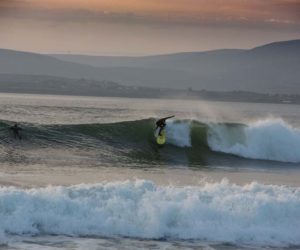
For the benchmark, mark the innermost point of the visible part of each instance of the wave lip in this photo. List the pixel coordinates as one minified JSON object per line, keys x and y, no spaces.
{"x":264,"y":140}
{"x":252,"y":214}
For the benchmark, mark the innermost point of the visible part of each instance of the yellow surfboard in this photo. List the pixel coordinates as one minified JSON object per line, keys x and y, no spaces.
{"x":161,"y":139}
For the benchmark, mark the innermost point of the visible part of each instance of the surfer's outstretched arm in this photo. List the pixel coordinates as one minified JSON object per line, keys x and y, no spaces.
{"x":169,"y":117}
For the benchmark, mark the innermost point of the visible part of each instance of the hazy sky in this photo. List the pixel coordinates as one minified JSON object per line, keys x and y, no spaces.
{"x":142,"y":27}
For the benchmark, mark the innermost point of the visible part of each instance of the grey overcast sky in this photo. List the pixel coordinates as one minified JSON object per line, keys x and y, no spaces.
{"x":143,"y":27}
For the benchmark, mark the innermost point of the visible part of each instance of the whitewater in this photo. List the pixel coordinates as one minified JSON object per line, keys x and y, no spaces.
{"x":253,"y":213}
{"x":88,"y":174}
{"x":267,"y":139}
{"x":270,"y":139}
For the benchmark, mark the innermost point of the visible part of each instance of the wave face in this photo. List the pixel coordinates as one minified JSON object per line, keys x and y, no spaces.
{"x":193,"y":141}
{"x":251,"y":214}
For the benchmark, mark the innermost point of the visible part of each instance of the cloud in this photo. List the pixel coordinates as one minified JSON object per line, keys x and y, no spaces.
{"x":13,"y":3}
{"x":144,"y":26}
{"x":280,"y":21}
{"x":241,"y":13}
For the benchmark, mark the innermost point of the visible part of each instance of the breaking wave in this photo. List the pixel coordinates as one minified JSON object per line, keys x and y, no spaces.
{"x":267,"y":140}
{"x":223,"y":212}
{"x":264,"y":140}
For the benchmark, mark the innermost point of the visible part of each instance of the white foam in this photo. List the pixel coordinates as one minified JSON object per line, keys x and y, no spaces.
{"x":271,"y":139}
{"x":178,"y":133}
{"x":252,"y":214}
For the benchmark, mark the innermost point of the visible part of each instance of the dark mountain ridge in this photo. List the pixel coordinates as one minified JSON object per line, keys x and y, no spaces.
{"x":271,"y":68}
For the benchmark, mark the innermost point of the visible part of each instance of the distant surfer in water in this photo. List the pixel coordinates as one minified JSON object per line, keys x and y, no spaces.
{"x":161,"y":123}
{"x":16,"y":130}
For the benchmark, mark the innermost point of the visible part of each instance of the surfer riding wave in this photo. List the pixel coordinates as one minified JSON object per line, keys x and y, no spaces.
{"x":161,"y":124}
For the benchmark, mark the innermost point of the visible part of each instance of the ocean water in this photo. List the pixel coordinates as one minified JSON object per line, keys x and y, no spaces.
{"x":88,"y":174}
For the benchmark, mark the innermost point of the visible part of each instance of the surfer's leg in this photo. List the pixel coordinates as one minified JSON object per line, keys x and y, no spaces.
{"x":160,"y":130}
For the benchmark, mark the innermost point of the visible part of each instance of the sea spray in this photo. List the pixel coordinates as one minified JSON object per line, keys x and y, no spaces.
{"x":254,"y":214}
{"x":178,"y":133}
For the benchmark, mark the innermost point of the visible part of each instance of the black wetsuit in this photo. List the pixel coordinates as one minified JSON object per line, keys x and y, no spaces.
{"x":161,"y":123}
{"x":16,"y":130}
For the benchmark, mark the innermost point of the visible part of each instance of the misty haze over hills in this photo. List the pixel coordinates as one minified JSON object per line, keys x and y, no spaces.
{"x":272,"y":68}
